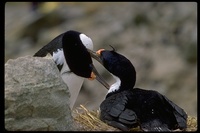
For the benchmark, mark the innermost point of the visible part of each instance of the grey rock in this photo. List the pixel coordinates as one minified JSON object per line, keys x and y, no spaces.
{"x":36,"y":98}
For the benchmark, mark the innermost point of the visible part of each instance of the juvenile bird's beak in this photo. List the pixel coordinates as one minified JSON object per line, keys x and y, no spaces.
{"x":98,"y":76}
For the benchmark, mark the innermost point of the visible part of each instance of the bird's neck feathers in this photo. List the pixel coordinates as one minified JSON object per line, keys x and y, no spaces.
{"x":116,"y":86}
{"x":120,"y":85}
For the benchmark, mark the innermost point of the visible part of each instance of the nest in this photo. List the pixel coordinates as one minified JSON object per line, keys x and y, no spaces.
{"x":89,"y":121}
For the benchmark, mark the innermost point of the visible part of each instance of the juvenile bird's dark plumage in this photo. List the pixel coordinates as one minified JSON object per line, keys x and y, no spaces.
{"x":125,"y":107}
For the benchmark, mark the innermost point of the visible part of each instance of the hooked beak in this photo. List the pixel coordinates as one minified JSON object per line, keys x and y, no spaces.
{"x":98,"y":76}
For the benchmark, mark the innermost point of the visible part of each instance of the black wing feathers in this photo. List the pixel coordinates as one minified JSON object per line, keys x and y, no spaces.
{"x":179,"y":113}
{"x":51,"y":47}
{"x":113,"y":108}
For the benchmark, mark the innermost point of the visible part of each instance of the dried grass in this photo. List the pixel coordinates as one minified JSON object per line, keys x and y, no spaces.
{"x":191,"y":123}
{"x":89,"y":121}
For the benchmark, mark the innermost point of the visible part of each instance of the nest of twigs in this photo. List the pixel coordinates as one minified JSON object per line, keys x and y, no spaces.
{"x":89,"y":121}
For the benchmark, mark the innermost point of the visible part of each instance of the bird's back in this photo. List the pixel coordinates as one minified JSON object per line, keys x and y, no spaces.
{"x":152,"y":110}
{"x":156,"y":110}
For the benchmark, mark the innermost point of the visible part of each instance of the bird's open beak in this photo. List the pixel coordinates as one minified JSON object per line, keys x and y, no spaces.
{"x":98,"y":76}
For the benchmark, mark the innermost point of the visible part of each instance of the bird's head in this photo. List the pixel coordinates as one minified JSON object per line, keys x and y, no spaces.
{"x":118,"y":65}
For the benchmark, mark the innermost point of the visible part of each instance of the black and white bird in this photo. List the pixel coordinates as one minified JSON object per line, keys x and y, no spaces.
{"x":69,"y":50}
{"x":126,"y":107}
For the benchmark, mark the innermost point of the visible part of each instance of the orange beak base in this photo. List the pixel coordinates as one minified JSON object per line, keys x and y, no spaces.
{"x":99,"y":51}
{"x":92,"y":76}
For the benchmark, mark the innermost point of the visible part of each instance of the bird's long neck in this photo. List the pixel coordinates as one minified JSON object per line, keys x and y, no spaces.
{"x":122,"y":83}
{"x":128,"y":82}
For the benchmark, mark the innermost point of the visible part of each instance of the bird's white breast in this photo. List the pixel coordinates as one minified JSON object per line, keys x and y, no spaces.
{"x":73,"y":81}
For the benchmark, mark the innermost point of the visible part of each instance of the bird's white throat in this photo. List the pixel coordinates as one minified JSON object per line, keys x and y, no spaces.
{"x":115,"y":86}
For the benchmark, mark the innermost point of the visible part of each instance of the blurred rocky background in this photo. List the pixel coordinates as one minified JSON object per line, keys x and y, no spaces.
{"x":159,"y":38}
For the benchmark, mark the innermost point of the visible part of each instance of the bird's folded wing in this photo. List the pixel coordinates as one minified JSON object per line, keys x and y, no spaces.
{"x":179,"y":113}
{"x":51,"y":47}
{"x":115,"y":106}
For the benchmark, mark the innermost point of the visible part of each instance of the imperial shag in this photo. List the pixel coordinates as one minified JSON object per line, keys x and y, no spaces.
{"x":126,"y":107}
{"x":69,"y":51}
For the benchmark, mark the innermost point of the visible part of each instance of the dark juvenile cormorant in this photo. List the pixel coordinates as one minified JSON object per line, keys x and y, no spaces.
{"x":69,"y":51}
{"x":126,"y":107}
